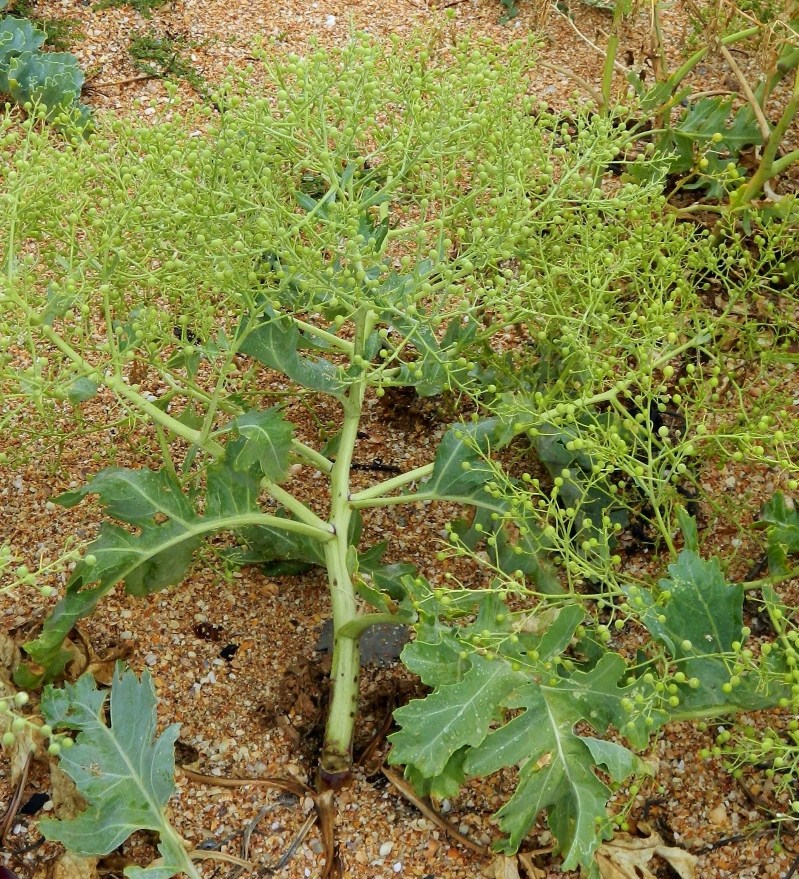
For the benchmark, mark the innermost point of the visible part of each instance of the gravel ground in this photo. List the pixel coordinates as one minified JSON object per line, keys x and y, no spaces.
{"x":249,"y":712}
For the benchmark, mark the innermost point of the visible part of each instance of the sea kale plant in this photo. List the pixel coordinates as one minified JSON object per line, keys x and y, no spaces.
{"x":45,"y":83}
{"x":413,"y":219}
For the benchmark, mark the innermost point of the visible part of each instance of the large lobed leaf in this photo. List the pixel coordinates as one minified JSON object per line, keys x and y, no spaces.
{"x":169,"y":528}
{"x":122,"y":769}
{"x":558,"y":767}
{"x":698,"y":624}
{"x":454,"y":715}
{"x":462,"y":729}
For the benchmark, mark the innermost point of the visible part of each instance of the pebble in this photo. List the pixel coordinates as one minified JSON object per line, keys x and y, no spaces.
{"x":718,"y":815}
{"x":385,"y":849}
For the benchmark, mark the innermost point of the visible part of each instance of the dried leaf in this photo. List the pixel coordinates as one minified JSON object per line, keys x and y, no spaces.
{"x":102,"y":666}
{"x":70,"y":866}
{"x":626,"y":857}
{"x":9,"y":656}
{"x":503,"y":867}
{"x":530,"y":869}
{"x":67,"y":802}
{"x":26,"y":743}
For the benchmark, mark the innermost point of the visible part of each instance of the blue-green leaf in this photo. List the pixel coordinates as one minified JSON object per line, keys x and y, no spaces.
{"x":275,"y":343}
{"x":17,"y":35}
{"x":81,"y":390}
{"x":782,"y":530}
{"x":123,"y":769}
{"x":453,"y":716}
{"x":52,"y":79}
{"x":169,"y":533}
{"x":557,"y":774}
{"x":266,"y":442}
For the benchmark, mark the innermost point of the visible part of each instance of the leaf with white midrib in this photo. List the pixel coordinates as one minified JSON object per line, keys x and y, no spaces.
{"x":124,"y":770}
{"x":156,"y":557}
{"x":452,"y":716}
{"x":265,"y":441}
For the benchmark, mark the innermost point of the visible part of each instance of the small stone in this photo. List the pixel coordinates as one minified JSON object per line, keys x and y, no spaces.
{"x":718,"y":815}
{"x":330,"y":21}
{"x":385,"y":849}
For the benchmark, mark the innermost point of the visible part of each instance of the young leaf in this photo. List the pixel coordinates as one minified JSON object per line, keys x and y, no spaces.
{"x":81,"y":390}
{"x":122,"y":769}
{"x":267,"y":442}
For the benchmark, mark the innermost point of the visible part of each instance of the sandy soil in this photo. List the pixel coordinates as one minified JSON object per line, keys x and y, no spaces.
{"x":233,"y":656}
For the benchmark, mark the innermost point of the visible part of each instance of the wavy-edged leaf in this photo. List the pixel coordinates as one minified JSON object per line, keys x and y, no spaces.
{"x":123,"y":769}
{"x":446,"y":784}
{"x":381,"y":583}
{"x":133,"y":496}
{"x":459,"y":467}
{"x":454,"y":715}
{"x":52,"y":79}
{"x":558,"y":767}
{"x":17,"y":35}
{"x":282,"y":551}
{"x":265,"y":544}
{"x":275,"y":343}
{"x":266,"y":442}
{"x":701,"y":619}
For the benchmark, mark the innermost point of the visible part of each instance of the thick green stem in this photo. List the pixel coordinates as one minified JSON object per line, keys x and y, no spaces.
{"x":765,"y":170}
{"x":362,"y":498}
{"x":293,"y":505}
{"x":772,"y":580}
{"x":784,"y":163}
{"x":336,"y":760}
{"x":311,"y":456}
